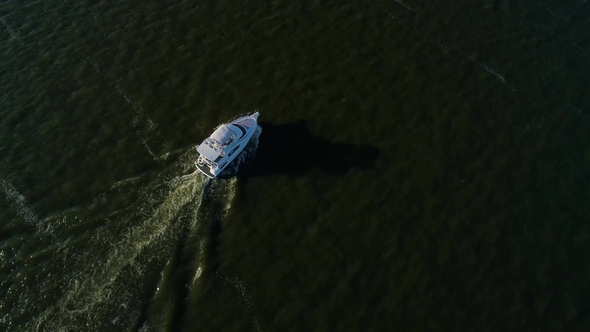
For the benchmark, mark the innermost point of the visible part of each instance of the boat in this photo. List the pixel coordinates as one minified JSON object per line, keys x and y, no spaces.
{"x":225,"y":144}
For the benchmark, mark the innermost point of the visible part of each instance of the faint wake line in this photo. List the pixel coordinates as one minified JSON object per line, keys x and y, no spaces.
{"x":447,"y":48}
{"x":140,"y":121}
{"x":491,"y":71}
{"x":405,"y":6}
{"x":488,"y":69}
{"x":240,"y":286}
{"x":388,"y":14}
{"x":13,"y":33}
{"x":19,"y":202}
{"x":558,"y":16}
{"x":234,"y":281}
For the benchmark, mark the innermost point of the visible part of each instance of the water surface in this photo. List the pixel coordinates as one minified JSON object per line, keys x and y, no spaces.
{"x":422,"y":166}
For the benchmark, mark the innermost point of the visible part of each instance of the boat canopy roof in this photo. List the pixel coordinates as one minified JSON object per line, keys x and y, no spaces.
{"x":224,"y":134}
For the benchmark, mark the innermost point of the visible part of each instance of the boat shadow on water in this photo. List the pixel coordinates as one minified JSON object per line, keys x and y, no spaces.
{"x":287,"y":149}
{"x":290,"y":149}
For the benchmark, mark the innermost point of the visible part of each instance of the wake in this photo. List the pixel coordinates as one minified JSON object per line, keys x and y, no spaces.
{"x":94,"y":285}
{"x":165,"y":237}
{"x":19,"y":203}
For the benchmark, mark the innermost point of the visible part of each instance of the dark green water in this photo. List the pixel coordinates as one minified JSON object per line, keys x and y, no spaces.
{"x":422,"y":166}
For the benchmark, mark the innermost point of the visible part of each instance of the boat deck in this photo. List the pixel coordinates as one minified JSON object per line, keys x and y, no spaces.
{"x":205,"y":169}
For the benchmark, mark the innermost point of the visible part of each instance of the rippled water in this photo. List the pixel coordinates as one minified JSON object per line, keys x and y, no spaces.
{"x":422,"y":166}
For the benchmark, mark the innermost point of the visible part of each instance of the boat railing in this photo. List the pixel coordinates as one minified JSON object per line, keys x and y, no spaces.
{"x":242,"y":115}
{"x":202,"y":160}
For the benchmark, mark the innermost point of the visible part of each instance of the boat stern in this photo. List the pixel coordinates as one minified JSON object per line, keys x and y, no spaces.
{"x":205,"y":169}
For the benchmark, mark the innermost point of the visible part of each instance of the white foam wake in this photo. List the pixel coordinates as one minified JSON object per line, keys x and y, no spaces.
{"x":89,"y":287}
{"x":96,"y":290}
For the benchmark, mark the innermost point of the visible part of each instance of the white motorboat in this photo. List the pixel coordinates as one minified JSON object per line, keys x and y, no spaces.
{"x":225,"y":144}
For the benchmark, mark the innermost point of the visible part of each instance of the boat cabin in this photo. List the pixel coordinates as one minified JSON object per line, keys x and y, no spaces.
{"x":224,"y":135}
